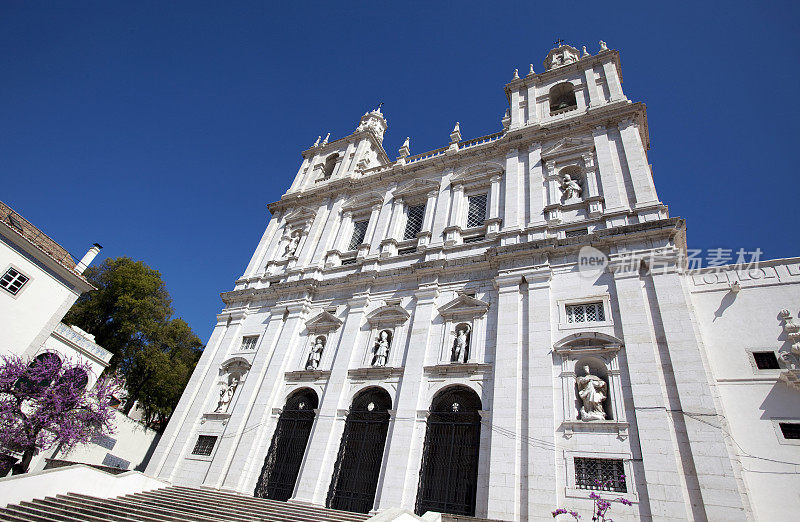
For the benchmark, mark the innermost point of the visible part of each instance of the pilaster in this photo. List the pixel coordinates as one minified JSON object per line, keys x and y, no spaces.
{"x":536,"y":183}
{"x":511,"y":198}
{"x":610,"y":179}
{"x":453,"y":230}
{"x":427,"y":221}
{"x":613,"y":81}
{"x":591,"y":87}
{"x":644,"y":190}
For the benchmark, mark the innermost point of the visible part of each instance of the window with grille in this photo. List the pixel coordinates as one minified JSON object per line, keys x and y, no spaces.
{"x":414,"y":217}
{"x":359,"y":232}
{"x":600,"y":474}
{"x":104,"y":441}
{"x":576,"y":232}
{"x":585,"y":313}
{"x":249,"y":342}
{"x":476,"y":214}
{"x":790,"y":430}
{"x":112,"y":461}
{"x":13,"y":281}
{"x":204,"y":445}
{"x":766,"y":360}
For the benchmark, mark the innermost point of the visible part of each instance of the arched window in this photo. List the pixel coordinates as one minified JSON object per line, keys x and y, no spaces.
{"x":41,"y":372}
{"x":279,"y":474}
{"x":330,"y":164}
{"x":358,"y":464}
{"x":562,"y":98}
{"x":449,"y":473}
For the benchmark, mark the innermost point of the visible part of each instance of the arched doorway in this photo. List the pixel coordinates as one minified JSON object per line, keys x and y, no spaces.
{"x":285,"y":455}
{"x":355,"y":476}
{"x":449,"y":474}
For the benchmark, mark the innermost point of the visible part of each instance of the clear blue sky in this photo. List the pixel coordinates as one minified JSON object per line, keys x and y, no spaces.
{"x":162,"y":129}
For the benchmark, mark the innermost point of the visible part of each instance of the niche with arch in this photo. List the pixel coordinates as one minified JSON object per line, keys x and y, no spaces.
{"x":562,"y":98}
{"x":330,"y":165}
{"x":232,"y":375}
{"x":590,"y":382}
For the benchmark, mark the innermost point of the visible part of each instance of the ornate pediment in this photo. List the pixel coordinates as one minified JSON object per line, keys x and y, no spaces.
{"x":362,"y":201}
{"x":323,"y":323}
{"x":464,"y":307}
{"x":479,"y":171}
{"x":300,"y":215}
{"x":391,"y":314}
{"x":568,"y":146}
{"x":415,"y":187}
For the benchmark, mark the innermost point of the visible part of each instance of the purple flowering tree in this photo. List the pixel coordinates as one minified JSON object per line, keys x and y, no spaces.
{"x":45,"y":401}
{"x":601,"y":505}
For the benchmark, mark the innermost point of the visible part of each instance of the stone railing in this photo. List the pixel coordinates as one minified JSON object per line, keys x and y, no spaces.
{"x":426,"y":155}
{"x":466,"y":144}
{"x":82,"y":342}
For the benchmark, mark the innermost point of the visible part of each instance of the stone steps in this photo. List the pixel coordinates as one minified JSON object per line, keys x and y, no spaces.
{"x":171,"y":504}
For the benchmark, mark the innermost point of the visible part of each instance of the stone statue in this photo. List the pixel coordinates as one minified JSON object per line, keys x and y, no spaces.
{"x":592,"y":390}
{"x":226,"y":395}
{"x":570,"y":187}
{"x":316,"y":353}
{"x":382,"y":345}
{"x":291,"y":247}
{"x":460,"y":344}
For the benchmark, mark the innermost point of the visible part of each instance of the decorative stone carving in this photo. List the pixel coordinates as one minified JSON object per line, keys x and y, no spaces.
{"x":570,"y":188}
{"x":226,"y":394}
{"x":405,"y":150}
{"x":316,"y":353}
{"x":516,"y":74}
{"x":373,"y":122}
{"x":603,"y":46}
{"x":564,"y":55}
{"x":592,"y":391}
{"x":324,"y":322}
{"x":461,"y":344}
{"x":531,"y":73}
{"x":383,"y":344}
{"x":791,"y":376}
{"x":291,"y":246}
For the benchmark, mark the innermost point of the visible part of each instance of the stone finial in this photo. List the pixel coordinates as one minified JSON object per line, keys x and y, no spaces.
{"x":531,"y":73}
{"x":316,"y":143}
{"x":506,"y":121}
{"x":516,"y":74}
{"x":585,"y":52}
{"x":603,"y":46}
{"x":405,"y":150}
{"x":455,"y":136}
{"x":327,"y":137}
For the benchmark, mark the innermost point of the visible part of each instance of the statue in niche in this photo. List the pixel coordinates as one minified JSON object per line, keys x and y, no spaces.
{"x":381,"y":350}
{"x":570,"y":188}
{"x":226,"y":395}
{"x":461,"y":344}
{"x":291,"y":247}
{"x":316,"y":353}
{"x":592,"y":391}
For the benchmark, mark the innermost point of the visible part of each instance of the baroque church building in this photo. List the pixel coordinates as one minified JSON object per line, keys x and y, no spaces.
{"x":497,"y":328}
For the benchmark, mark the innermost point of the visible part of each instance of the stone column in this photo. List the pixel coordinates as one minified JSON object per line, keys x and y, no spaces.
{"x":553,"y":182}
{"x":258,"y":394}
{"x":389,"y":244}
{"x":453,"y":230}
{"x":705,"y":425}
{"x":493,"y":223}
{"x":506,"y":417}
{"x":538,"y":399}
{"x":533,"y":110}
{"x":382,"y":221}
{"x":536,"y":182}
{"x":510,"y":216}
{"x":610,"y":179}
{"x":644,"y":190}
{"x":315,"y":473}
{"x":344,"y":162}
{"x":515,"y":110}
{"x":309,"y":241}
{"x":372,"y":226}
{"x":401,"y":474}
{"x":612,"y":79}
{"x":656,"y":433}
{"x":592,"y":196}
{"x":427,"y":221}
{"x":443,"y":202}
{"x":591,"y":87}
{"x":327,"y":236}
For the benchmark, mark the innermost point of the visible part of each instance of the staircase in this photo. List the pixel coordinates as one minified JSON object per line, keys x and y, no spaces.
{"x":174,"y":503}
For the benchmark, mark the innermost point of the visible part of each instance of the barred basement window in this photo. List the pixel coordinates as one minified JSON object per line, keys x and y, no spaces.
{"x":104,"y":441}
{"x":584,"y":313}
{"x":112,"y":461}
{"x":474,"y":239}
{"x":13,"y":281}
{"x":249,"y":342}
{"x":359,"y":232}
{"x":414,"y":217}
{"x":350,"y":261}
{"x":766,"y":360}
{"x":409,"y":250}
{"x":790,"y":430}
{"x":576,"y":232}
{"x":600,"y":474}
{"x":204,"y":445}
{"x":476,"y":214}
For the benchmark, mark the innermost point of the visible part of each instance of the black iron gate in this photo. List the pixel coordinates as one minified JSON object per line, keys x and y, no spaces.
{"x":279,"y":474}
{"x":449,"y":474}
{"x":358,"y":464}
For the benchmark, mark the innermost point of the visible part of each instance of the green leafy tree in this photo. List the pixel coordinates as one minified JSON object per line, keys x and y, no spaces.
{"x":130,"y":314}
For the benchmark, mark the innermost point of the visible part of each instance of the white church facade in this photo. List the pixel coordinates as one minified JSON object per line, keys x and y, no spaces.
{"x":498,"y":328}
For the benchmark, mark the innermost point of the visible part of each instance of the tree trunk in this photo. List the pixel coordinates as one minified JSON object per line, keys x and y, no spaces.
{"x":22,"y":466}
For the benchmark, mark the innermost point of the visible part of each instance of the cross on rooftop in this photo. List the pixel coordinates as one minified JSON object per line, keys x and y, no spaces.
{"x":559,"y":42}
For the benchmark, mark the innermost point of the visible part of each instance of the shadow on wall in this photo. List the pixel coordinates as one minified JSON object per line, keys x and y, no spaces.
{"x":727,"y":301}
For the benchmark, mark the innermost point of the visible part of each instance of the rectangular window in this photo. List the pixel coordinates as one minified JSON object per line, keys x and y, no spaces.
{"x":104,"y":441}
{"x":600,"y":474}
{"x":585,"y":313}
{"x":790,"y":430}
{"x":476,"y":214}
{"x":13,"y":281}
{"x":414,"y":217}
{"x":112,"y":461}
{"x":766,"y":360}
{"x":359,"y":232}
{"x":576,"y":232}
{"x":249,"y":342}
{"x":204,"y":445}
